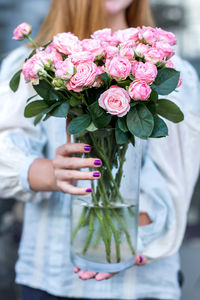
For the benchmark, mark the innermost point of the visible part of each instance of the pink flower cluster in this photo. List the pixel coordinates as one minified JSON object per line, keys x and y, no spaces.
{"x":133,"y":55}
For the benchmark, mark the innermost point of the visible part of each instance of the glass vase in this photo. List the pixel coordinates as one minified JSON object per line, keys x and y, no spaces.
{"x":104,"y":224}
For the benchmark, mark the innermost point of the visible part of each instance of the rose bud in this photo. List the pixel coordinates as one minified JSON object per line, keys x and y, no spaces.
{"x":22,"y":31}
{"x":139,"y":90}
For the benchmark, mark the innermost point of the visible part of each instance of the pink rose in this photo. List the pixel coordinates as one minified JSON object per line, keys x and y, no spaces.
{"x":139,"y":90}
{"x":115,"y":100}
{"x":93,"y":46}
{"x":66,"y":43}
{"x":149,"y":34}
{"x":82,"y":57}
{"x":154,"y":55}
{"x":103,"y":35}
{"x":165,"y":48}
{"x":134,"y":67}
{"x":45,"y":58}
{"x":98,"y":81}
{"x":65,"y":69}
{"x":126,"y":50}
{"x":141,"y":49}
{"x":32,"y":69}
{"x":179,"y":82}
{"x":111,"y":51}
{"x":119,"y":67}
{"x":22,"y":31}
{"x":166,"y":36}
{"x":145,"y":71}
{"x":85,"y":76}
{"x":169,"y":64}
{"x":53,"y":55}
{"x":129,"y":34}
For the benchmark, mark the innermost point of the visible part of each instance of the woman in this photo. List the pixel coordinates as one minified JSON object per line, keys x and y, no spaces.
{"x":44,"y":266}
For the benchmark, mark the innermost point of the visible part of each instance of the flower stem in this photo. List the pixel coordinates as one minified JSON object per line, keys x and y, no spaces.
{"x":90,"y":231}
{"x":81,"y":223}
{"x":104,"y":234}
{"x":123,"y":226}
{"x":115,"y":234}
{"x":32,"y":41}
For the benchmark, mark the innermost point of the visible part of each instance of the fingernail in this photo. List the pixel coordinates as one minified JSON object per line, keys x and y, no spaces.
{"x":76,"y":270}
{"x":96,"y":174}
{"x":88,"y":190}
{"x":99,"y":277}
{"x":87,"y":148}
{"x":97,"y":162}
{"x":140,"y":259}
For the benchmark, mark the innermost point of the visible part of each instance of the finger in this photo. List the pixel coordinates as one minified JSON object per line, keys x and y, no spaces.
{"x":76,"y":175}
{"x":102,"y":276}
{"x":70,"y":148}
{"x":76,"y":269}
{"x":85,"y":275}
{"x":144,"y":219}
{"x":140,"y":260}
{"x":68,"y":188}
{"x":75,"y":162}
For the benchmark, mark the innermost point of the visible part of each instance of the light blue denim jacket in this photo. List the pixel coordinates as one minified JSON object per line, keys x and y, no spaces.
{"x":44,"y":253}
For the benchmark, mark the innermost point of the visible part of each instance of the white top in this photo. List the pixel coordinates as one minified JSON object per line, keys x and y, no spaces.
{"x":170,"y":172}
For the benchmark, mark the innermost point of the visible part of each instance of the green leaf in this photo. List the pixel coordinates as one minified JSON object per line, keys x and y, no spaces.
{"x":132,"y":139}
{"x":140,"y":121}
{"x":60,"y":111}
{"x":169,"y":110}
{"x":30,"y":98}
{"x":74,"y":101}
{"x":47,"y":116}
{"x":154,"y":96}
{"x":91,"y":127}
{"x":160,"y":128}
{"x":121,"y":123}
{"x":46,"y":91}
{"x":121,"y":137}
{"x":152,"y":107}
{"x":47,"y":44}
{"x":51,"y":107}
{"x":166,"y":81}
{"x":15,"y":80}
{"x":93,"y":94}
{"x":38,"y":119}
{"x":79,"y":124}
{"x":123,"y":83}
{"x":34,"y":108}
{"x":106,"y":78}
{"x":132,"y":77}
{"x":134,"y":103}
{"x":99,"y":116}
{"x":31,"y":54}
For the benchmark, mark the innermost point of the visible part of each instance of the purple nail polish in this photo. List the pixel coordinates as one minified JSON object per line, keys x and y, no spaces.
{"x":88,"y":190}
{"x":97,"y":162}
{"x":87,"y":148}
{"x":96,"y":174}
{"x":140,"y":259}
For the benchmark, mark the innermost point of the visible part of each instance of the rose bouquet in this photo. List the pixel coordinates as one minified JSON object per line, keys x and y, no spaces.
{"x":108,"y":88}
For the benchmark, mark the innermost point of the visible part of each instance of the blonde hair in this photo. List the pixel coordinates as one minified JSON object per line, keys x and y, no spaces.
{"x":83,"y":17}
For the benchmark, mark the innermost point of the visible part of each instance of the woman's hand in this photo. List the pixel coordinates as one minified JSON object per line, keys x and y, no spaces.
{"x":65,"y":168}
{"x":57,"y":174}
{"x":140,"y":259}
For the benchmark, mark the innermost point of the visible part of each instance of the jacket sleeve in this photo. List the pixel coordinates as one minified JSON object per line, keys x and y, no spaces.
{"x":176,"y":161}
{"x":20,"y":141}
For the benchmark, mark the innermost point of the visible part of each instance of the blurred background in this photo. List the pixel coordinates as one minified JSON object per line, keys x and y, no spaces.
{"x":178,"y":16}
